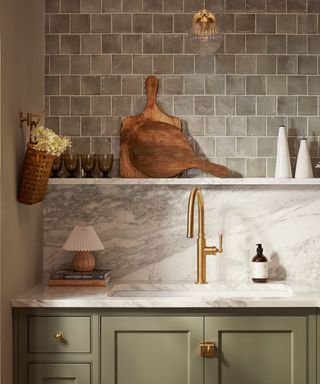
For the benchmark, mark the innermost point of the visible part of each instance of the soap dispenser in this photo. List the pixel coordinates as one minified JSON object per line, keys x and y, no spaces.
{"x":259,"y":266}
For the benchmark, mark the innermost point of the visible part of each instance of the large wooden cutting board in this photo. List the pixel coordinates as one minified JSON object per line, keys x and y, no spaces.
{"x":130,"y":124}
{"x":152,"y":144}
{"x":159,"y":149}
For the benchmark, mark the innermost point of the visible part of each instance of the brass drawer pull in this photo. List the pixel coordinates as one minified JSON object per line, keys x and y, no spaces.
{"x":59,"y":336}
{"x":207,"y":348}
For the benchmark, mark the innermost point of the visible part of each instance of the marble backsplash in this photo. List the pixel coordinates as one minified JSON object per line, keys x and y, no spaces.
{"x":143,"y":229}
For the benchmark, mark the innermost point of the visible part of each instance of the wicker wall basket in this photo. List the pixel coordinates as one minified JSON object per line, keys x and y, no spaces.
{"x":35,"y":175}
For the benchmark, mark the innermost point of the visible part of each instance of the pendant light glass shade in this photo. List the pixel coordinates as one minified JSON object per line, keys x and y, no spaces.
{"x":205,"y":38}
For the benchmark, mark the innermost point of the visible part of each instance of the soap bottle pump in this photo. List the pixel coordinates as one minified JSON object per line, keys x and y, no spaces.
{"x":259,"y":266}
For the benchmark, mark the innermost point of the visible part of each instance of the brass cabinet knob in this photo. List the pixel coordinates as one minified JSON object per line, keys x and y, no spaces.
{"x":207,"y":348}
{"x":58,"y":336}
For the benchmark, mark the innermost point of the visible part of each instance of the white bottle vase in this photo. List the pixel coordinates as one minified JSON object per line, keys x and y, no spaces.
{"x":304,"y":165}
{"x":283,"y":164}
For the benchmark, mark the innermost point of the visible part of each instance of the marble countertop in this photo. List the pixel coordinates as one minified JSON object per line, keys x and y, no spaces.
{"x":175,"y":295}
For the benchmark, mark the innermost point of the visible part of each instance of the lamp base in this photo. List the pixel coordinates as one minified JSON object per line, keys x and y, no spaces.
{"x":83,"y":261}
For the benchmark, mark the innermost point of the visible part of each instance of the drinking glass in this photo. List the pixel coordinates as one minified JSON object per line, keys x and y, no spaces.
{"x":88,"y":163}
{"x":105,"y":162}
{"x":56,"y":166}
{"x":71,"y":162}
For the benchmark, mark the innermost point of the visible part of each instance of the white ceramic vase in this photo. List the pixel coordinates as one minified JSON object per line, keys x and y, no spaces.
{"x":304,"y":165}
{"x":283,"y":164}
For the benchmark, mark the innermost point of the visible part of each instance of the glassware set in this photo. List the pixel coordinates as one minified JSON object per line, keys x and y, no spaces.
{"x":88,"y":163}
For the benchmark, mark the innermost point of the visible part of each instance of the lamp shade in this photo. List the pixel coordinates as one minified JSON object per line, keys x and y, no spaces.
{"x":83,"y":238}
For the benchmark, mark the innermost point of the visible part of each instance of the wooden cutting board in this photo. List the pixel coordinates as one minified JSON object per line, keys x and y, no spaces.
{"x":153,"y":145}
{"x":129,"y":126}
{"x":158,"y":149}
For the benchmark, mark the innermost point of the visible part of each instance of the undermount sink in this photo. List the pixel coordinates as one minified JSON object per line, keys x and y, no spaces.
{"x":215,"y":290}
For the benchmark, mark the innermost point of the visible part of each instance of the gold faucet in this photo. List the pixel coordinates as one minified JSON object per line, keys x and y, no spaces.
{"x":202,"y":249}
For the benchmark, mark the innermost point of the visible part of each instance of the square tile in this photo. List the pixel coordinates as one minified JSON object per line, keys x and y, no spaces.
{"x":80,"y":23}
{"x":246,"y":105}
{"x":214,"y":84}
{"x":204,"y":105}
{"x":246,"y":146}
{"x":235,"y":126}
{"x":225,"y":105}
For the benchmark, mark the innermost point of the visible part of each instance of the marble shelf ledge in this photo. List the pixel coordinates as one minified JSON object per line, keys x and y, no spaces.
{"x":186,"y":181}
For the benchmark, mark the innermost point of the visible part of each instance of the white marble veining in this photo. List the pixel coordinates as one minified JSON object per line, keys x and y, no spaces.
{"x":302,"y":295}
{"x":143,"y":229}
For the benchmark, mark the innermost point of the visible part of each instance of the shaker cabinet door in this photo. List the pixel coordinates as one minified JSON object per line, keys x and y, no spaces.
{"x":59,"y":374}
{"x":151,"y":350}
{"x":257,"y":350}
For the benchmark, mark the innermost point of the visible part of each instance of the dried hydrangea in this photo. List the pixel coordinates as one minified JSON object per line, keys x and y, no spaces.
{"x":44,"y":139}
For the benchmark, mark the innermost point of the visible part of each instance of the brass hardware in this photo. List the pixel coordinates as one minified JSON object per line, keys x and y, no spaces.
{"x":59,"y":336}
{"x":204,"y":23}
{"x":207,"y":349}
{"x":32,"y":119}
{"x":202,"y":249}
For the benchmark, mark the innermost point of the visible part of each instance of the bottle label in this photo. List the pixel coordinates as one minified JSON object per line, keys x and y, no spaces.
{"x":259,"y":270}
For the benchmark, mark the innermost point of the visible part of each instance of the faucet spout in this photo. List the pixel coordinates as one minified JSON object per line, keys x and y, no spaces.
{"x":202,"y":249}
{"x":195,"y":193}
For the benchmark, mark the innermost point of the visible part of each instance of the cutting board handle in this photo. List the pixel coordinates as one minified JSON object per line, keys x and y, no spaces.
{"x":152,"y":85}
{"x":214,"y":169}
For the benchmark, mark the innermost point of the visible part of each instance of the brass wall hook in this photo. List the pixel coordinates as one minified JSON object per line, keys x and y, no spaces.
{"x":32,"y":119}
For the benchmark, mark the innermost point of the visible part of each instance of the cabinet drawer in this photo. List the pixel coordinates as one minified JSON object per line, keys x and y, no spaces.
{"x":52,"y":334}
{"x":59,"y":373}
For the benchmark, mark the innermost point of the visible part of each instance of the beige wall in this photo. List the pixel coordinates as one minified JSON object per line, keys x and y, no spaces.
{"x":22,"y":63}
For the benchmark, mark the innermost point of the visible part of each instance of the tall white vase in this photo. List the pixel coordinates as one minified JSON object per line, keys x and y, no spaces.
{"x":283,"y":164}
{"x":304,"y":165}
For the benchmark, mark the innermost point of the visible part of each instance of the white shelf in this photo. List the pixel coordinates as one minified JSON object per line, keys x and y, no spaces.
{"x":186,"y":181}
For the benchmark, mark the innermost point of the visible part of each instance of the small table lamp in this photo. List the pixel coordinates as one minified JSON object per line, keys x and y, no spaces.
{"x":83,"y":239}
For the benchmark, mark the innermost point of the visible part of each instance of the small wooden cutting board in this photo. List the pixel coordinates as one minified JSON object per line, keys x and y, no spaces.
{"x":129,"y":126}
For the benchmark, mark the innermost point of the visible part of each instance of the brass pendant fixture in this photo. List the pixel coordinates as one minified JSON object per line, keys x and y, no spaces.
{"x":204,"y":37}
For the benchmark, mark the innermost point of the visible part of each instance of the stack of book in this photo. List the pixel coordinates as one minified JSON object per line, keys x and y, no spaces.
{"x":69,"y":278}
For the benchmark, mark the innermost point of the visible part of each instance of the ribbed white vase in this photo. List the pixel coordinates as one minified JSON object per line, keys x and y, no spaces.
{"x":304,"y":165}
{"x":283,"y":164}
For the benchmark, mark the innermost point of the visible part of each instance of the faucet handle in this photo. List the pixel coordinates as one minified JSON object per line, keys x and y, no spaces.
{"x":214,"y":250}
{"x":220,"y":250}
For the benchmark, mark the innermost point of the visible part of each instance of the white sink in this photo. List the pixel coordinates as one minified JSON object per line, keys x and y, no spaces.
{"x":215,"y":290}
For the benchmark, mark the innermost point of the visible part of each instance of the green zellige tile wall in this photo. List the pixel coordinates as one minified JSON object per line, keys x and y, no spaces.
{"x":98,"y":53}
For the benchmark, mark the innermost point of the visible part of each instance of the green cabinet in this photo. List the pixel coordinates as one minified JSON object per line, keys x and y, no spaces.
{"x":59,"y":334}
{"x":145,"y":347}
{"x":59,"y":374}
{"x":56,"y":346}
{"x":251,"y":350}
{"x":157,"y":350}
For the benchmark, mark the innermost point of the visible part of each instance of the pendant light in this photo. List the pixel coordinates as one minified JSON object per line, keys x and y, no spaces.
{"x":205,"y":38}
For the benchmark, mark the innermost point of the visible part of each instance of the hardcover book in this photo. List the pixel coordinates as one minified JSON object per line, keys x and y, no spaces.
{"x":79,"y":282}
{"x":68,"y":274}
